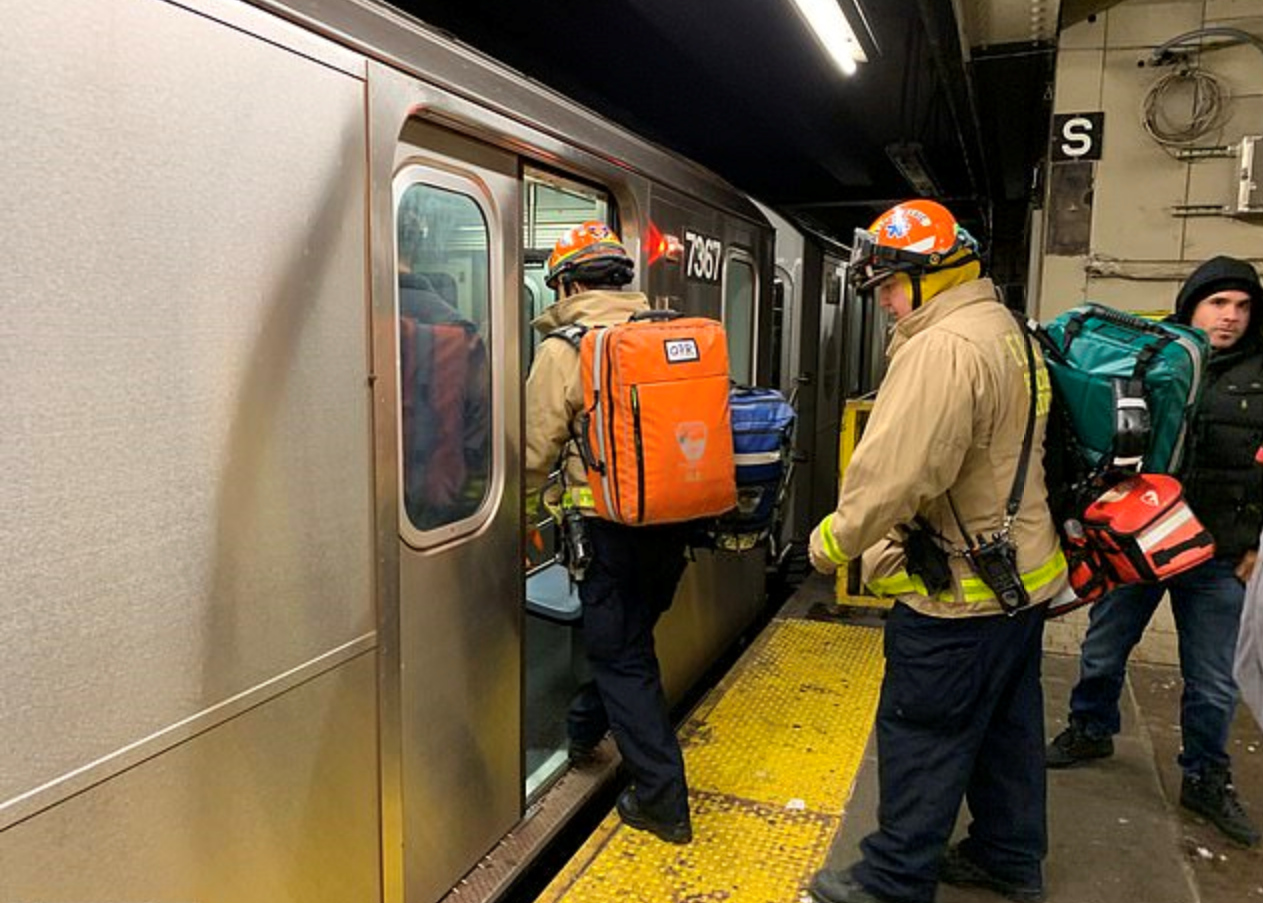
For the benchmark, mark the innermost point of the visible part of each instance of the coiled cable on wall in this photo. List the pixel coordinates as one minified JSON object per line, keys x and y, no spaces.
{"x":1209,"y":96}
{"x":1209,"y":102}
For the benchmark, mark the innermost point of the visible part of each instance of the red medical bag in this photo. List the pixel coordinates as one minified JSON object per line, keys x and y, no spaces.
{"x":1138,"y":531}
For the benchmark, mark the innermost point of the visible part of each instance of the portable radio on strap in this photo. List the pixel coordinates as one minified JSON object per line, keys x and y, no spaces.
{"x":655,"y":433}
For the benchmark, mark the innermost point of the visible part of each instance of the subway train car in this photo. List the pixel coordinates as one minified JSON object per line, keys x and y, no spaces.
{"x":262,"y":642}
{"x":830,"y":346}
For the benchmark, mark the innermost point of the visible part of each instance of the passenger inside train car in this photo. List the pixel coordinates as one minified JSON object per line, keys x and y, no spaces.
{"x":943,"y":505}
{"x":445,"y":375}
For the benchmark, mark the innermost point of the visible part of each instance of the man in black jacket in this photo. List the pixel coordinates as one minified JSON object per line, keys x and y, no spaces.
{"x":1224,"y":486}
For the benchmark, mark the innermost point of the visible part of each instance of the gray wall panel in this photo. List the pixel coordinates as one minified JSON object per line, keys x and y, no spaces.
{"x":274,"y":806}
{"x":186,"y":509}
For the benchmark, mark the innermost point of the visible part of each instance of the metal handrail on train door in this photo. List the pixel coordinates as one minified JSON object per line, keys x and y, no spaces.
{"x":543,"y":523}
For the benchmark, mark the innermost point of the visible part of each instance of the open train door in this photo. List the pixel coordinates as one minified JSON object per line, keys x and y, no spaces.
{"x":449,"y":495}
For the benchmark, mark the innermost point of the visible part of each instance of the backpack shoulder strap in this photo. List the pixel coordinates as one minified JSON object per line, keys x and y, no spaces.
{"x":1047,"y":345}
{"x":572,"y":334}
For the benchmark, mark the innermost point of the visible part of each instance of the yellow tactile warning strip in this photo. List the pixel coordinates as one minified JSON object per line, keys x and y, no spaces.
{"x":771,"y":755}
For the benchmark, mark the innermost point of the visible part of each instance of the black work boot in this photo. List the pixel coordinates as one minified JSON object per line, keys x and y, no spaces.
{"x":630,"y":811}
{"x":959,"y":870}
{"x":1074,"y":745}
{"x":1211,"y":795}
{"x":837,"y":886}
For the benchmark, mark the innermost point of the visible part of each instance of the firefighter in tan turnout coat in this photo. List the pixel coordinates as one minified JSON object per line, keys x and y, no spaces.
{"x":634,"y":571}
{"x":935,"y":502}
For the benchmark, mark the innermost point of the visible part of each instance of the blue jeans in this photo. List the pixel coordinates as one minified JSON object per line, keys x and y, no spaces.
{"x":1207,"y":604}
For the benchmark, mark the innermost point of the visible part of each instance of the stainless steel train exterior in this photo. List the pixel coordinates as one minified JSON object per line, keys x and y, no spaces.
{"x":831,"y":346}
{"x":238,"y":666}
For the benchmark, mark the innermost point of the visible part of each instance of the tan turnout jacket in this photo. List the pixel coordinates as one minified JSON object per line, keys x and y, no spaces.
{"x":950,"y":414}
{"x":554,"y":388}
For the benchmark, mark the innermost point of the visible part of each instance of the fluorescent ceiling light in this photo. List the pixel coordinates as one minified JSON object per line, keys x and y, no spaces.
{"x":833,"y":32}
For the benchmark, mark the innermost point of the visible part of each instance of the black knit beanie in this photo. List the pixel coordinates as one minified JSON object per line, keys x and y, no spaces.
{"x":1219,"y":274}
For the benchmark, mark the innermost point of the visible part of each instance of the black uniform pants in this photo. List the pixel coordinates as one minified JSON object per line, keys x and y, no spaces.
{"x":629,"y":584}
{"x":961,"y":715}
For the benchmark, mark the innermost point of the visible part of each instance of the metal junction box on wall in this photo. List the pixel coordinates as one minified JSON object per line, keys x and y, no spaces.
{"x":1249,"y":201}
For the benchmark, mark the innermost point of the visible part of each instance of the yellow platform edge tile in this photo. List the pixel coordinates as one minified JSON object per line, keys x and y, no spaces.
{"x":771,"y":753}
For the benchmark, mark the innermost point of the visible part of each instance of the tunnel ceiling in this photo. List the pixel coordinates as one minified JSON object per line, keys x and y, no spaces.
{"x":742,"y":87}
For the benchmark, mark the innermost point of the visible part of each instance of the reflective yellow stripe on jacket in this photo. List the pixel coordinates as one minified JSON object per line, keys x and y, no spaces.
{"x":974,"y":589}
{"x":575,"y":497}
{"x":830,"y":541}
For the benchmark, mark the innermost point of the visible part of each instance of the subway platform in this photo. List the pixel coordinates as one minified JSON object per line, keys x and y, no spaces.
{"x":783,"y":772}
{"x":1116,"y":831}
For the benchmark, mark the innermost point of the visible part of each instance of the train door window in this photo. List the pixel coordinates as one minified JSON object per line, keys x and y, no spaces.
{"x":875,"y":353}
{"x":443,"y":258}
{"x":782,"y":327}
{"x":552,"y":205}
{"x":738,"y":314}
{"x":855,"y":340}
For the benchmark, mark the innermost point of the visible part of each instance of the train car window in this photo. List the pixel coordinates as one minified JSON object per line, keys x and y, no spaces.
{"x":552,"y":205}
{"x":833,"y":287}
{"x":445,"y":388}
{"x":781,"y":327}
{"x":880,"y":325}
{"x":832,"y":338}
{"x":738,"y":315}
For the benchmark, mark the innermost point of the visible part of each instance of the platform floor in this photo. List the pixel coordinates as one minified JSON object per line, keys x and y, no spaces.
{"x":784,"y":780}
{"x":771,"y":754}
{"x":1116,"y":831}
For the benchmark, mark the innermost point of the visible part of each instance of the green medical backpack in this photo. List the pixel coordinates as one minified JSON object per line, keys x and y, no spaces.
{"x":1126,"y":386}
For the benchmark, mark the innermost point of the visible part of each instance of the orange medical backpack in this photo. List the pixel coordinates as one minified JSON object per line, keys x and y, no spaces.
{"x":655,"y":434}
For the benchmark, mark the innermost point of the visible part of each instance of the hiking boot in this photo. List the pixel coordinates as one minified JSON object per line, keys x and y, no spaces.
{"x":1074,"y":746}
{"x":837,"y":886}
{"x":1212,"y":796}
{"x":959,"y":870}
{"x":634,"y":816}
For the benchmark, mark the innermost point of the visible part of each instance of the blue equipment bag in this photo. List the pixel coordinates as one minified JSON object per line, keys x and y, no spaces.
{"x":762,"y":430}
